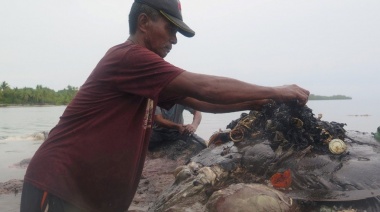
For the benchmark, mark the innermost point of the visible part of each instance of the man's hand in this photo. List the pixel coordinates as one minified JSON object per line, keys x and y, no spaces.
{"x":292,"y":93}
{"x":181,"y":129}
{"x":189,"y":129}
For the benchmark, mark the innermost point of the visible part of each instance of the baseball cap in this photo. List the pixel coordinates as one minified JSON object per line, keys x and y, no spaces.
{"x":171,"y":9}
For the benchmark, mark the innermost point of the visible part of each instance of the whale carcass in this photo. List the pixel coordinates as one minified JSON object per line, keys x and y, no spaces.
{"x":280,"y":158}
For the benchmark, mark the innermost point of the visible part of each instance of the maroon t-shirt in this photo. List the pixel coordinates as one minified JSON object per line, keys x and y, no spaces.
{"x":93,"y":157}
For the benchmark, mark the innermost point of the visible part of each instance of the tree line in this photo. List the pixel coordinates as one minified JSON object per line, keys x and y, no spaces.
{"x":35,"y":96}
{"x":334,"y":97}
{"x":46,"y":96}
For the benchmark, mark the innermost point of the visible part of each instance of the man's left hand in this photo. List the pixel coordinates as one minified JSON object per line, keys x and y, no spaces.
{"x":189,"y":129}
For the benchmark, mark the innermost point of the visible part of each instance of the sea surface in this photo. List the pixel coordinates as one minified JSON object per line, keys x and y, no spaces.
{"x":22,"y":128}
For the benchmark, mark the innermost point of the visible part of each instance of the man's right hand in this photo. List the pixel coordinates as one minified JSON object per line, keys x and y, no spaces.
{"x":292,"y":93}
{"x":181,"y":129}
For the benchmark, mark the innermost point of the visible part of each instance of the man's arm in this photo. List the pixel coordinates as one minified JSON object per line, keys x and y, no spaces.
{"x":227,"y":91}
{"x":161,"y":121}
{"x":223,"y":108}
{"x":191,"y":128}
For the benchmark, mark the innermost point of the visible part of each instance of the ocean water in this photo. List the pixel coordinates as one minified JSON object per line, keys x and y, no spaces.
{"x":22,"y":128}
{"x":21,"y":133}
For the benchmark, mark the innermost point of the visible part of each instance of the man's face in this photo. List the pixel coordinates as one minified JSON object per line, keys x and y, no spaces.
{"x":160,"y":36}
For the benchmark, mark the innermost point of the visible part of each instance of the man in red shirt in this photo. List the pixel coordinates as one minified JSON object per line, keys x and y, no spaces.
{"x":93,"y":158}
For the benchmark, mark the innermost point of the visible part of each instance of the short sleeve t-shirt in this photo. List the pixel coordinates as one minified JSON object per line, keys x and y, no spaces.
{"x":93,"y":157}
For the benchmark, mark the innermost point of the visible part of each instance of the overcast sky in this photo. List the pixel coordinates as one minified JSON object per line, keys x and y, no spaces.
{"x":328,"y":47}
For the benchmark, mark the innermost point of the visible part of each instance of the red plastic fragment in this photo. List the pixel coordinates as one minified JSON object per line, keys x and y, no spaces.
{"x":282,"y":180}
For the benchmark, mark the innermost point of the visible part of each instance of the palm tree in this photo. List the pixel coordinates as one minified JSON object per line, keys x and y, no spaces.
{"x":4,"y":86}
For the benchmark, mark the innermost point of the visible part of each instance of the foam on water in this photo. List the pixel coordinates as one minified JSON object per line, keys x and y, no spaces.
{"x":14,"y":150}
{"x":38,"y":136}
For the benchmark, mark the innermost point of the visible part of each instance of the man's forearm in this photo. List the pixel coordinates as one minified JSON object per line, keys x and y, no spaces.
{"x":166,"y":123}
{"x":223,"y":90}
{"x":218,"y":108}
{"x":197,"y":118}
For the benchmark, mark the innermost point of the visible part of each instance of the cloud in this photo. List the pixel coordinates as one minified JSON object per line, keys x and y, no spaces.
{"x":329,"y":47}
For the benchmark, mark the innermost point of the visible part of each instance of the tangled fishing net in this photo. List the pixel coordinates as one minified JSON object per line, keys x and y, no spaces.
{"x":287,"y":125}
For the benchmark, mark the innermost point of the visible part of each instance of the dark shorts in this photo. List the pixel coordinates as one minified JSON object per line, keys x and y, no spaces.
{"x":36,"y":200}
{"x":160,"y":136}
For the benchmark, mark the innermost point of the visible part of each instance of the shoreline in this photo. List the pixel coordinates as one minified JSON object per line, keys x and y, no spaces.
{"x":50,"y":105}
{"x":12,"y":186}
{"x":326,"y":99}
{"x":18,"y":106}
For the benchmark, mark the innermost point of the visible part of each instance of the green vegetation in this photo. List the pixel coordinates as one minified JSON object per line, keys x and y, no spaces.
{"x":46,"y":96}
{"x":38,"y":96}
{"x":334,"y":97}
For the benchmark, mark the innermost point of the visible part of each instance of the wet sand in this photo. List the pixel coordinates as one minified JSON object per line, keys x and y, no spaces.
{"x":157,"y":175}
{"x":10,"y":202}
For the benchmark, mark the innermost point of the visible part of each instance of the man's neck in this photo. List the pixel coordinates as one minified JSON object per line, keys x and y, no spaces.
{"x":135,"y":39}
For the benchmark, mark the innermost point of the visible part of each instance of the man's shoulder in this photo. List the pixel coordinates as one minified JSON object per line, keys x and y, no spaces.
{"x":134,"y":56}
